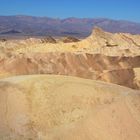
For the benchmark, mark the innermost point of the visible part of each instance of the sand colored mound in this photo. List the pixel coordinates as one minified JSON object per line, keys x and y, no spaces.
{"x":67,"y":108}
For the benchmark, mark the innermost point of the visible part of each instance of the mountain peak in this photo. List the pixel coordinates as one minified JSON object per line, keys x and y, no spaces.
{"x":79,"y":27}
{"x":97,"y":30}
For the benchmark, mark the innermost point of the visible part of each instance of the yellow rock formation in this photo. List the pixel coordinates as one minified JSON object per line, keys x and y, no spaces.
{"x":60,"y":107}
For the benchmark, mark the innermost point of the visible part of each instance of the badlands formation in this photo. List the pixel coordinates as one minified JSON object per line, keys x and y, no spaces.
{"x":89,"y":89}
{"x":113,"y":58}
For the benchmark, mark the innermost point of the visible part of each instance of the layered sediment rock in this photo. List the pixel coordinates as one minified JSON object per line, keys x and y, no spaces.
{"x":70,"y":39}
{"x":118,"y":70}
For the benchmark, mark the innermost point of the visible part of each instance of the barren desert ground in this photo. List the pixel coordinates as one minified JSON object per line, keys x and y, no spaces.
{"x":69,"y":88}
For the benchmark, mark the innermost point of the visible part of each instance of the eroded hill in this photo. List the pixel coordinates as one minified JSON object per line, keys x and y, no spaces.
{"x":118,"y":70}
{"x":60,"y":107}
{"x":113,"y":58}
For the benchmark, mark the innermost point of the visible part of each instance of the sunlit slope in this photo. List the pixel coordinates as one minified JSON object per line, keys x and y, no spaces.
{"x":118,"y":70}
{"x":67,"y":108}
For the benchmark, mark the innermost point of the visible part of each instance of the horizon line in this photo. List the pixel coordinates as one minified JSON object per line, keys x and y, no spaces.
{"x":38,"y":16}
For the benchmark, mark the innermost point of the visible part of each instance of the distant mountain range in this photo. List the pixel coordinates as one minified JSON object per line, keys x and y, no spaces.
{"x":44,"y":26}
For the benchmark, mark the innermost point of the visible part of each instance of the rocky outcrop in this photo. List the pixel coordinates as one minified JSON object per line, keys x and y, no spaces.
{"x":100,"y":38}
{"x":70,"y":39}
{"x":49,"y":39}
{"x":3,"y":40}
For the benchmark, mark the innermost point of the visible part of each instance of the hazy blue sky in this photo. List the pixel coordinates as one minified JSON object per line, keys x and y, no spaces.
{"x":115,"y":9}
